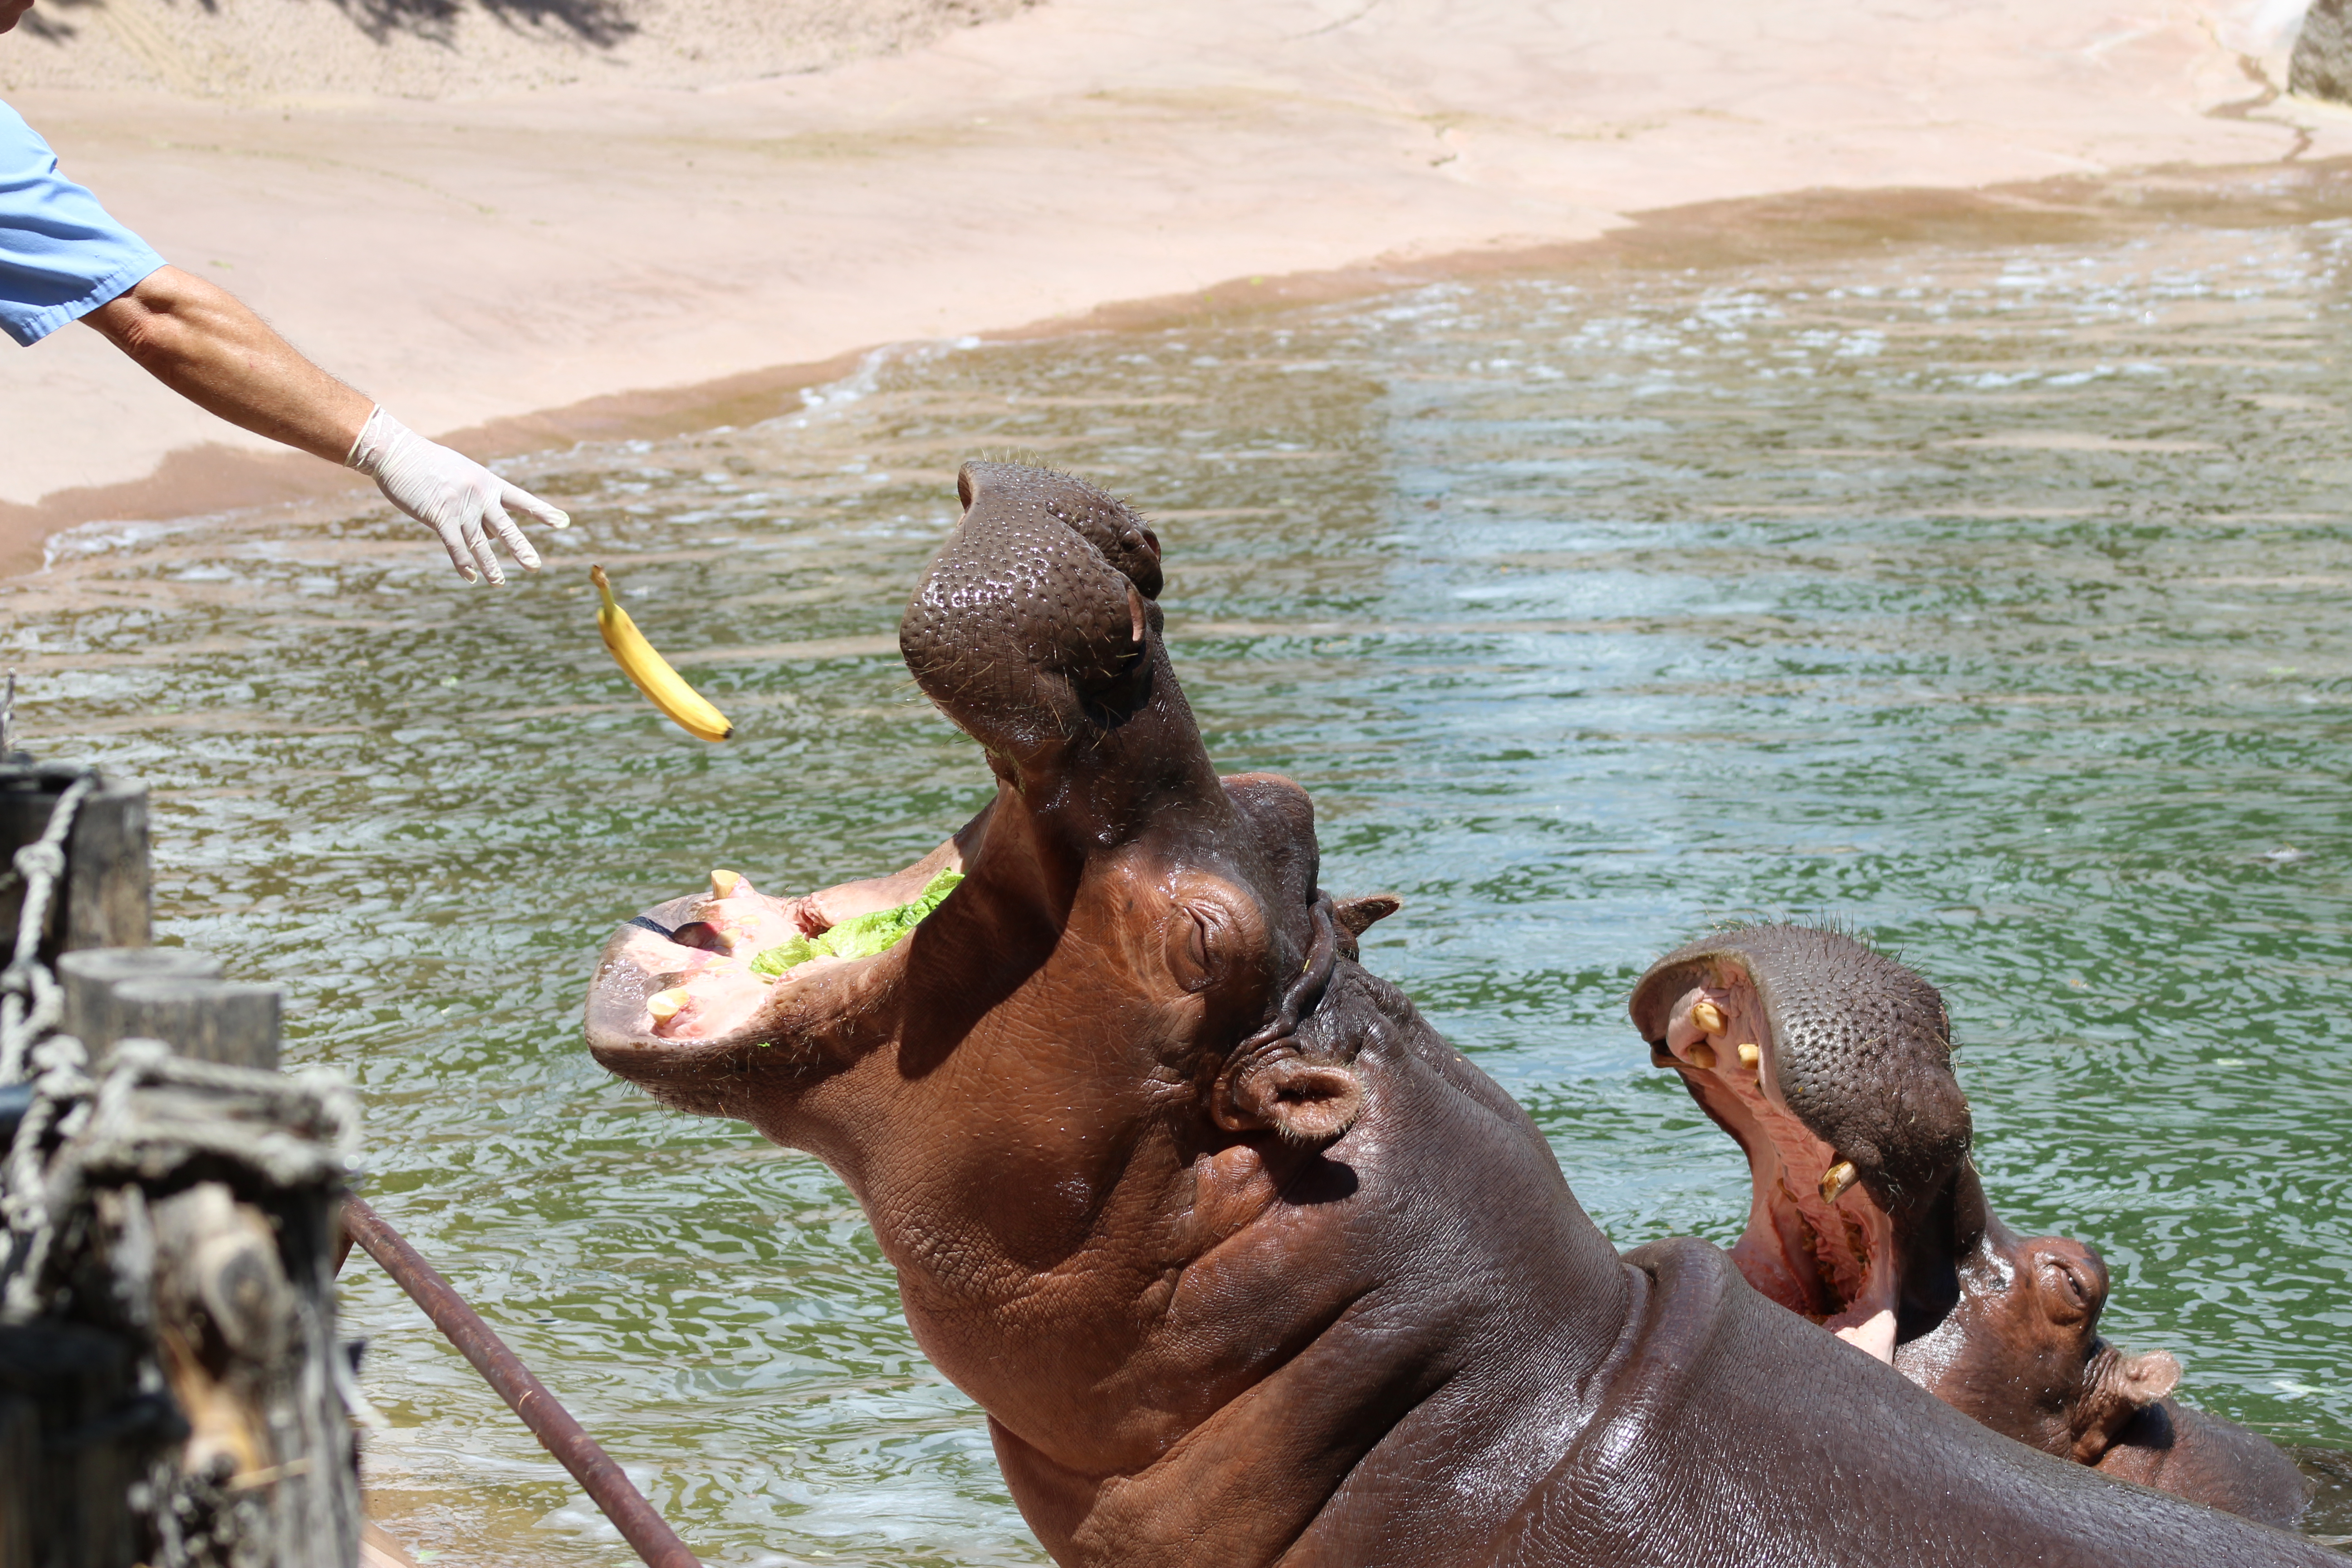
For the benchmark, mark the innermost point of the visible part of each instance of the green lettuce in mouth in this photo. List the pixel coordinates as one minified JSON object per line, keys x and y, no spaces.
{"x":862,"y":936}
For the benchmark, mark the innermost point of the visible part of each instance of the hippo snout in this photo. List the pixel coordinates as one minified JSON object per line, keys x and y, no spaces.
{"x":1036,"y":615}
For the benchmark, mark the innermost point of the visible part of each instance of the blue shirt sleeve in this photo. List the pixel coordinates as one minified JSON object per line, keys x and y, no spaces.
{"x":61,"y":257}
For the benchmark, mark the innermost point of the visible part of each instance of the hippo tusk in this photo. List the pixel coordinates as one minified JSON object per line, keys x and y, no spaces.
{"x":1750,"y":1054}
{"x":1838,"y":1180}
{"x":723,"y":882}
{"x":1703,"y":1056}
{"x":1706,"y":1018}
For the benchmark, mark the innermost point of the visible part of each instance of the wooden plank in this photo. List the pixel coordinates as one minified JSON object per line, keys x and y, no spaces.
{"x":109,"y":895}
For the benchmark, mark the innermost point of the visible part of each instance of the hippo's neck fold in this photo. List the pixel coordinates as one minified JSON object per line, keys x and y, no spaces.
{"x":1332,"y":1334}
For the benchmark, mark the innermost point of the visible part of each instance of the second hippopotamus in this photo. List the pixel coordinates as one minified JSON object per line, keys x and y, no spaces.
{"x":1830,"y":1063}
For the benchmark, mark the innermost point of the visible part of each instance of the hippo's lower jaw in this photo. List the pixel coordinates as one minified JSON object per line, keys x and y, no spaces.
{"x":1817,"y":1241}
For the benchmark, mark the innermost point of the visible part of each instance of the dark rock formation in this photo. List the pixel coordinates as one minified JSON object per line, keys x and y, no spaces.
{"x":2322,"y":67}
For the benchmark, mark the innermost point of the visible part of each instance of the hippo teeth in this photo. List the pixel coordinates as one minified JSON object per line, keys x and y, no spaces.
{"x":1750,"y":1054}
{"x":1837,"y":1180}
{"x":1707,"y":1018}
{"x":1703,"y":1056}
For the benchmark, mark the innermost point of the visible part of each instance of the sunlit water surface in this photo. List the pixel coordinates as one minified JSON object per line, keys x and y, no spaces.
{"x":1990,"y":604}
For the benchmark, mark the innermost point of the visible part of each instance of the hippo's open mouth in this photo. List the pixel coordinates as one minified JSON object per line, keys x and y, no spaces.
{"x":731,"y":949}
{"x":1832,"y":1064}
{"x":733,"y":968}
{"x":1817,"y":1242}
{"x":1035,"y":630}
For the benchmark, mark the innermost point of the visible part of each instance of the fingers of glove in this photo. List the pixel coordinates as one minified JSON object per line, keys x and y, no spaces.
{"x":521,"y":500}
{"x":459,"y":555}
{"x":478,"y":542}
{"x":452,"y":538}
{"x":517,"y":545}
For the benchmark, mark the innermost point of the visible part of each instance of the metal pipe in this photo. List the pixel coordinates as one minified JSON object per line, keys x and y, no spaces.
{"x":626,"y":1507}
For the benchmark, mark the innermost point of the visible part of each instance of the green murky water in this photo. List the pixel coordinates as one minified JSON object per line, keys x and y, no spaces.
{"x":1992,"y":603}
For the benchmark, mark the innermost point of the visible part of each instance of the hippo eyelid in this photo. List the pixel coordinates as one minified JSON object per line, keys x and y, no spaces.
{"x":1196,"y":946}
{"x":2078,"y":1288}
{"x":1202,"y":933}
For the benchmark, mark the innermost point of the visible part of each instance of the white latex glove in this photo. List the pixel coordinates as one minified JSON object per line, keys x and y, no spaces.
{"x":450,"y":493}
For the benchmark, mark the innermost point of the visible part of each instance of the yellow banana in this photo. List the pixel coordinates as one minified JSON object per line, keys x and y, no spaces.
{"x":651,"y":673}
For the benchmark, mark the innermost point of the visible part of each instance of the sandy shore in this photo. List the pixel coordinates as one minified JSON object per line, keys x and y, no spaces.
{"x":531,"y":267}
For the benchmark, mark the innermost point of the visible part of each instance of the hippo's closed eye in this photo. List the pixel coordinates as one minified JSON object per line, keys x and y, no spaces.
{"x":1188,"y":947}
{"x":1206,"y":935}
{"x":2069,"y":1295}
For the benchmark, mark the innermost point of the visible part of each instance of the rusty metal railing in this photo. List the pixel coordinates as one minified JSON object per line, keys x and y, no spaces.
{"x":599,"y":1477}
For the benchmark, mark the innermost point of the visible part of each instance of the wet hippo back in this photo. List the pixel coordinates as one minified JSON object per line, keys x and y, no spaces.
{"x":1701,"y":1459}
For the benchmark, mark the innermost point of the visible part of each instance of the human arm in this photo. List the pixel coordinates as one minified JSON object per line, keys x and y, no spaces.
{"x":204,"y":345}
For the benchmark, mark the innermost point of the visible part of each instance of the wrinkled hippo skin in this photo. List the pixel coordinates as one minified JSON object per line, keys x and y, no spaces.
{"x":1245,"y":1263}
{"x":1853,"y":1066}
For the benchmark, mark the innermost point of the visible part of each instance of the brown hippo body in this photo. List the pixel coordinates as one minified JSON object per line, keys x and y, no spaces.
{"x":1245,"y":1264}
{"x":1851,"y":1089}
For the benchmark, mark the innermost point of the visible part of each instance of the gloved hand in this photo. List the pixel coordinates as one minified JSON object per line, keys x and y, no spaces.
{"x":449,"y":493}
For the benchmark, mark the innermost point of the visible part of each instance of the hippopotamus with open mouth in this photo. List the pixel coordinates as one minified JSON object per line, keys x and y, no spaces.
{"x":1244,"y":1261}
{"x":1831,"y":1064}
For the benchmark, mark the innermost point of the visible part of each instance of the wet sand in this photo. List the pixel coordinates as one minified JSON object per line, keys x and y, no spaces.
{"x":529,"y":269}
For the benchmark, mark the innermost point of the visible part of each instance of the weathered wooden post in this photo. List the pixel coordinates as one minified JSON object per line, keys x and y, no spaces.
{"x":107,"y":894}
{"x":171,"y":995}
{"x":172,"y":1389}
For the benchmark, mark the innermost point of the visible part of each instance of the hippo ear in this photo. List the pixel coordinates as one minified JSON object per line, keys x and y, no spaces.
{"x":1356,"y":916}
{"x":2115,"y":1388}
{"x":1303,"y":1101}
